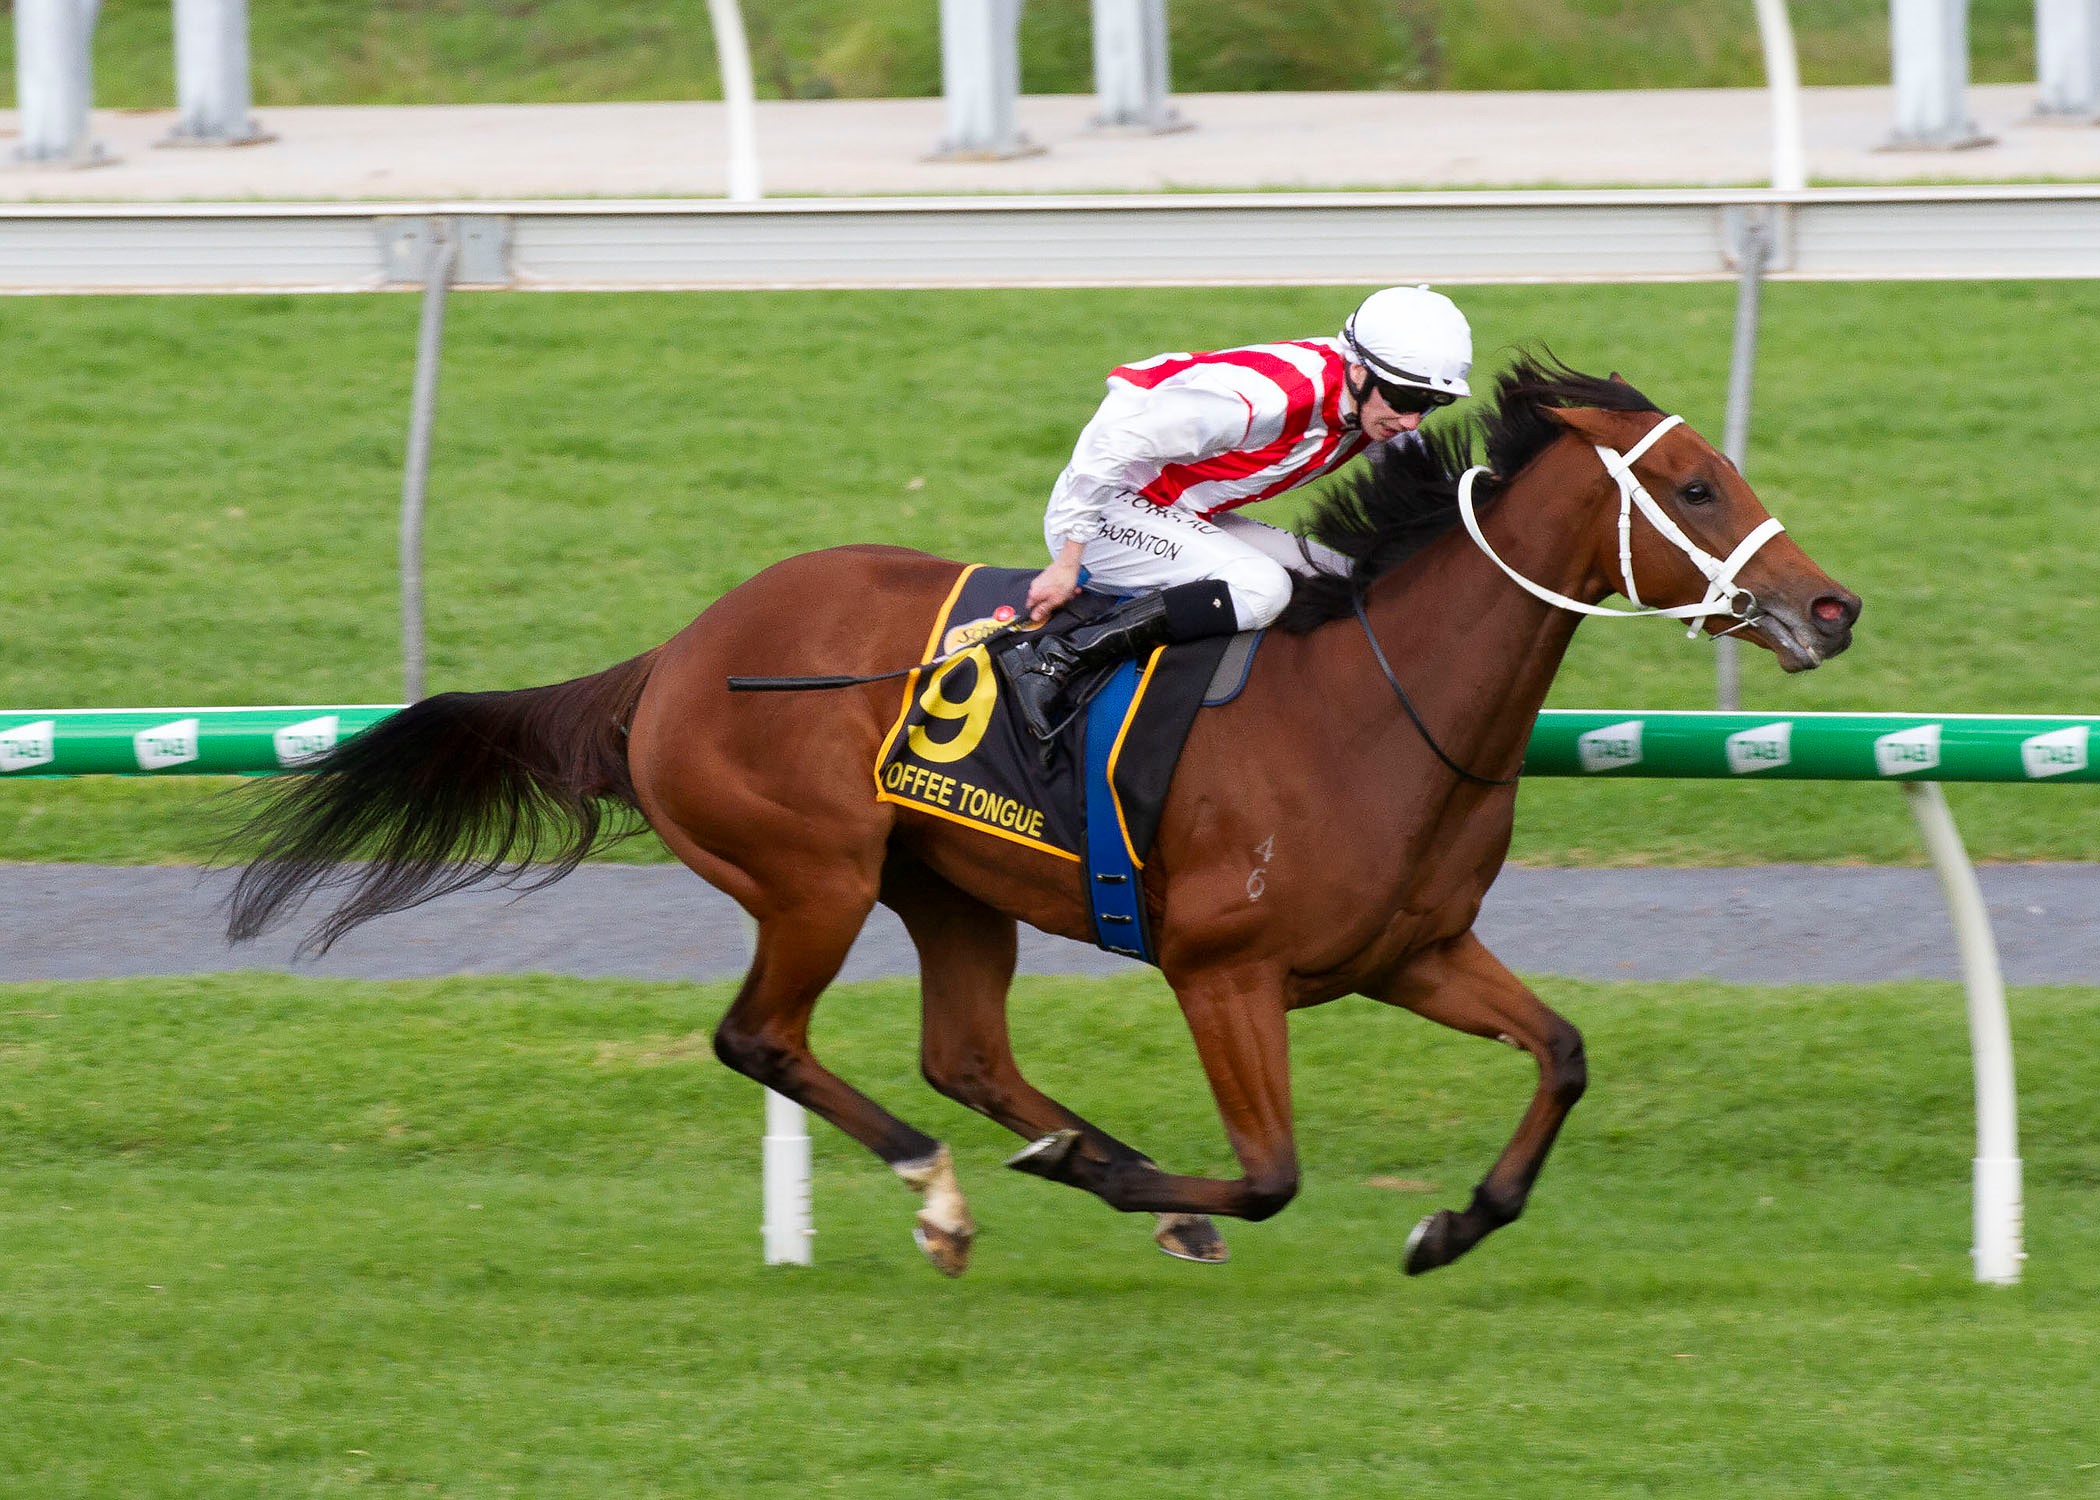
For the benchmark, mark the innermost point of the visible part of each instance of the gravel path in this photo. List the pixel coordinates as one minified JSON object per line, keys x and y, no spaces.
{"x":1765,"y":924}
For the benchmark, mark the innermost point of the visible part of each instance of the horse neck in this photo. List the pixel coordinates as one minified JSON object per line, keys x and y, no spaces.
{"x":1476,"y":653}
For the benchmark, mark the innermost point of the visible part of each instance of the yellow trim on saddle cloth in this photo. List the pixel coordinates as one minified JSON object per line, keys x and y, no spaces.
{"x":997,"y":833}
{"x":911,"y":683}
{"x":911,"y":693}
{"x":1116,"y":750}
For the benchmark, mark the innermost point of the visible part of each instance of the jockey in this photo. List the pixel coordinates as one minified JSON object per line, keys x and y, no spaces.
{"x":1182,"y":440}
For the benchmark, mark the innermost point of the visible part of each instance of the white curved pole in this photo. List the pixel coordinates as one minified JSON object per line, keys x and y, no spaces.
{"x":1783,"y":84}
{"x":733,"y":58}
{"x":1998,"y":1209}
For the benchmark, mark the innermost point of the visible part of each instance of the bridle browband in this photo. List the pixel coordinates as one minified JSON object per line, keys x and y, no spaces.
{"x":1724,"y":596}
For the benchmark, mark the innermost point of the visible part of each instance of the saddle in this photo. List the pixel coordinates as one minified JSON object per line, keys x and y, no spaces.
{"x":958,"y":751}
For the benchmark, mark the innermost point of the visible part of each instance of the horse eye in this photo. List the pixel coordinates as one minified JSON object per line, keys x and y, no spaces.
{"x":1698,"y":492}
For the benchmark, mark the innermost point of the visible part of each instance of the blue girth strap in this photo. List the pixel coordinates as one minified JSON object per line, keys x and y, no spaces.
{"x":1115,"y":894}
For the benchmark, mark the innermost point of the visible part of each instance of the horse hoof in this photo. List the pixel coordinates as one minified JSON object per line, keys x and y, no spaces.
{"x":1191,"y":1237}
{"x":1045,"y":1157}
{"x":1429,"y":1244}
{"x":948,"y":1249}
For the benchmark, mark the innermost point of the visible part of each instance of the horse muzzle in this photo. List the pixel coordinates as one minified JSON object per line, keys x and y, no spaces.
{"x":1804,"y":636}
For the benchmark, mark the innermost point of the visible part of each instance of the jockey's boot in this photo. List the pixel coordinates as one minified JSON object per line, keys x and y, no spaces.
{"x":1039,"y":670}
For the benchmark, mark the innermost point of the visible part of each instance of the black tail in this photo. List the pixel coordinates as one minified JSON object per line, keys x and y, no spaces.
{"x":440,"y":796}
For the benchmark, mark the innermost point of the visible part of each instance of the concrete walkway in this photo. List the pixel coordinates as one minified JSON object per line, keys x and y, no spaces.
{"x":1766,"y":924}
{"x":879,"y":146}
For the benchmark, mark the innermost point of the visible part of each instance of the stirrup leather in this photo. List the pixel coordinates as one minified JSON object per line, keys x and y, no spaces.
{"x":1039,"y":671}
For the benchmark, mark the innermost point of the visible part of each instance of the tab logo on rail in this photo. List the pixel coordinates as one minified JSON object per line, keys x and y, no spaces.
{"x":1908,"y":751}
{"x":2057,"y":753}
{"x":28,"y":745}
{"x":1765,"y":748}
{"x":309,"y":739}
{"x":1610,"y":748}
{"x":165,"y":745}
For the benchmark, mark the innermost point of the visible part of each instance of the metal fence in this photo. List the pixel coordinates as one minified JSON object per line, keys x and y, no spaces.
{"x":1240,"y":239}
{"x":1566,"y":742}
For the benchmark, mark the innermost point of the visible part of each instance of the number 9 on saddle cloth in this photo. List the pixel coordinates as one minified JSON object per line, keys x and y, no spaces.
{"x":959,"y":751}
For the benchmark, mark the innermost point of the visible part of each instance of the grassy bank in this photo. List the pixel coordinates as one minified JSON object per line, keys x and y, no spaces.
{"x":529,"y":51}
{"x":495,"y":1237}
{"x":201,"y":496}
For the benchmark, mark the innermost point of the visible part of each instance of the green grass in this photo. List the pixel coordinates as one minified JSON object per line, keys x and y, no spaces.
{"x":200,"y":502}
{"x":271,"y":1236}
{"x":480,"y":51}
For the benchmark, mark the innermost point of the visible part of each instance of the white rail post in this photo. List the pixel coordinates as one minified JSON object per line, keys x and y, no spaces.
{"x":981,"y":79}
{"x":733,"y":59}
{"x":1775,"y":33}
{"x":1929,"y":51}
{"x":1756,"y":242}
{"x":787,"y":1222}
{"x":211,"y":76}
{"x":1998,"y":1208}
{"x":55,"y":82}
{"x":442,"y":259}
{"x":1753,"y":255}
{"x":1130,"y":67}
{"x":2067,"y":61}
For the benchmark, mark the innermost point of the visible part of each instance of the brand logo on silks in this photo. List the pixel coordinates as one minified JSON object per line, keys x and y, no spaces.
{"x":28,"y":745}
{"x":2057,"y":753}
{"x":165,"y":745}
{"x":1611,"y":748}
{"x":1765,"y":748}
{"x":310,"y":739}
{"x":1908,"y":751}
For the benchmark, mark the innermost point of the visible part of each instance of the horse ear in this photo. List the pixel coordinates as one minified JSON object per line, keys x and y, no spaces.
{"x":1621,"y":379}
{"x":1584,"y":421}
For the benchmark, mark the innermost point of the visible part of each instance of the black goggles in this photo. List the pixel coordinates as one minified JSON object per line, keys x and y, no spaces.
{"x":1408,"y":400}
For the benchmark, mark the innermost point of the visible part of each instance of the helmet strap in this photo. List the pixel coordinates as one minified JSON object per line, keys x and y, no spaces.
{"x":1360,"y":394}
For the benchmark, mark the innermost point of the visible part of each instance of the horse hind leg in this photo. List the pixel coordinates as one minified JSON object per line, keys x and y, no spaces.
{"x":765,"y":1036}
{"x":1465,"y":987}
{"x":966,"y":966}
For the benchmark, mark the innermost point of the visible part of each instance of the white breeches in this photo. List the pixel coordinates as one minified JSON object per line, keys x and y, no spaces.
{"x":1142,"y":546}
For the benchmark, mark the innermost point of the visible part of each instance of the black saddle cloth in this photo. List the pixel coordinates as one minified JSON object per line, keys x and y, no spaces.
{"x":959,"y":751}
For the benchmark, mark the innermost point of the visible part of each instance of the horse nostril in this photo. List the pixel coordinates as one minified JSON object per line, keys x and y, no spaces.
{"x":1835,"y":611}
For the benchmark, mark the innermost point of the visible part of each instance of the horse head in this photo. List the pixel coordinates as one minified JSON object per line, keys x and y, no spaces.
{"x":1687,"y":530}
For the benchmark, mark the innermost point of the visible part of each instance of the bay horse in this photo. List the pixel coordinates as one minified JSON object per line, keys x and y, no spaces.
{"x":1330,"y":832}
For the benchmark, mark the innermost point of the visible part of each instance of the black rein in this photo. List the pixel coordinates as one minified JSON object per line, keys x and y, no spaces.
{"x":1356,"y":599}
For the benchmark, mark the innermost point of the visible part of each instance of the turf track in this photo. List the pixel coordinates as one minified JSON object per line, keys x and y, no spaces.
{"x":471,"y":1238}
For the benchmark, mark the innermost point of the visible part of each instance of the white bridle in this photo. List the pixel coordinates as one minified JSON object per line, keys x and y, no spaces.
{"x":1724,"y":596}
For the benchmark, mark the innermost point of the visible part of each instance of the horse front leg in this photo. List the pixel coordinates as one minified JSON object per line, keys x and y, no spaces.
{"x":1237,"y":1019}
{"x":1465,"y":987}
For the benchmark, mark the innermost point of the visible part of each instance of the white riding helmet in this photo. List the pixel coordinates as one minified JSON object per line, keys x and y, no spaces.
{"x":1409,"y":335}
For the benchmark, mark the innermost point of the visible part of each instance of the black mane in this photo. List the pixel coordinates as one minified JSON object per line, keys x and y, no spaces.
{"x":1385,"y":514}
